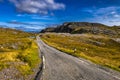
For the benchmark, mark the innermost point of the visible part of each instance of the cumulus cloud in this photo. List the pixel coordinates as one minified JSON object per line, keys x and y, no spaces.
{"x":37,"y":6}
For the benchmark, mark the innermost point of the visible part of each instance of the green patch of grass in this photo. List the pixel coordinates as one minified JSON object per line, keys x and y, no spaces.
{"x":3,"y":66}
{"x":97,"y":48}
{"x":25,"y":69}
{"x":30,"y":56}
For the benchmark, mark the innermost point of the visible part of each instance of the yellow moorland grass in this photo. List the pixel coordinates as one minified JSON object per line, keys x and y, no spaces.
{"x":7,"y":57}
{"x":30,"y":57}
{"x":97,"y":48}
{"x":19,"y":50}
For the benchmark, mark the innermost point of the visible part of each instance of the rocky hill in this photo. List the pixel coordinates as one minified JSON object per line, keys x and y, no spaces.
{"x":84,"y":27}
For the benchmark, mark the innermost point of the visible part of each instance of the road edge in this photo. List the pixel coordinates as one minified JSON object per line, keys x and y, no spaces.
{"x":41,"y":67}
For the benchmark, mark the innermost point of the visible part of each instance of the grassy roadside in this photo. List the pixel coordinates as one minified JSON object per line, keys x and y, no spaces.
{"x":18,"y":51}
{"x":30,"y":58}
{"x":97,"y":48}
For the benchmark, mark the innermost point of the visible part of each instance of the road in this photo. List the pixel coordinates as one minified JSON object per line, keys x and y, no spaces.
{"x":61,"y":66}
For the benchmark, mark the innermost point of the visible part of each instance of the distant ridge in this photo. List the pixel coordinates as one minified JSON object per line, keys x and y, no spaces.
{"x":84,"y":27}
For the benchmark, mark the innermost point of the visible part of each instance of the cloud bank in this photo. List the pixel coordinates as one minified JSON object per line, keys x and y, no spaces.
{"x":37,"y":6}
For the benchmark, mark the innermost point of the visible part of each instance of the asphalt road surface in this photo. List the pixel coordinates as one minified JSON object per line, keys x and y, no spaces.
{"x":61,"y":66}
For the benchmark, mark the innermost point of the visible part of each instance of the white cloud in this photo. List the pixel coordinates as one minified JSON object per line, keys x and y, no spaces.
{"x":37,"y":6}
{"x":103,"y":12}
{"x":41,"y":17}
{"x":107,"y":15}
{"x":116,"y":16}
{"x":19,"y":15}
{"x":37,"y":26}
{"x":106,"y":10}
{"x":113,"y":12}
{"x":36,"y":17}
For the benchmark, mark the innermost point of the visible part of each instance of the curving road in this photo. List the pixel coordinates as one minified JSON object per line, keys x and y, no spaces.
{"x":61,"y":66}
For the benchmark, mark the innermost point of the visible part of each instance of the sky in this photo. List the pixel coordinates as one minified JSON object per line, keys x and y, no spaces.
{"x":37,"y":14}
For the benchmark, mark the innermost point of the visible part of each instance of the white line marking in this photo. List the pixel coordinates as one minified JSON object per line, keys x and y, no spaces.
{"x":84,"y":62}
{"x":43,"y":67}
{"x":43,"y":62}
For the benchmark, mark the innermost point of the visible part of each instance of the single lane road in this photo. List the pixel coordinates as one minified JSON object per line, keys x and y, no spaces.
{"x":61,"y":66}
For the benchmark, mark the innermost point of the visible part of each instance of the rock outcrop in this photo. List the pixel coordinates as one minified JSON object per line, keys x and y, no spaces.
{"x":84,"y":27}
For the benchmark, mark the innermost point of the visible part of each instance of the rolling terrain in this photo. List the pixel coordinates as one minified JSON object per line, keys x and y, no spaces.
{"x":58,"y":65}
{"x":92,"y":41}
{"x":92,"y":46}
{"x":100,"y":49}
{"x":19,"y":58}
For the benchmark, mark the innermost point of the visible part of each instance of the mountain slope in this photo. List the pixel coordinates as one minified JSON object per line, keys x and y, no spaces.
{"x":84,"y":27}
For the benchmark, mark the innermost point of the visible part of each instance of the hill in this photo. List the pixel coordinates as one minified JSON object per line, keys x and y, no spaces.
{"x":84,"y":27}
{"x":93,"y":41}
{"x":18,"y":55}
{"x":100,"y":49}
{"x":10,"y":38}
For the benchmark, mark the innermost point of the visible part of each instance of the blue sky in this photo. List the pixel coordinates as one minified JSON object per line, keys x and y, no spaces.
{"x":48,"y":12}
